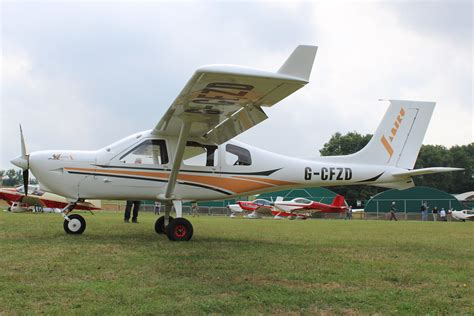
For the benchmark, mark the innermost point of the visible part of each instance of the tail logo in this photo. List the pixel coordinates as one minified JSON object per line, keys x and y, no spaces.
{"x":396,"y":124}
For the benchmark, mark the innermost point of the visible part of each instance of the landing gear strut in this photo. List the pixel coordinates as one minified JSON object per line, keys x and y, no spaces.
{"x":73,"y":224}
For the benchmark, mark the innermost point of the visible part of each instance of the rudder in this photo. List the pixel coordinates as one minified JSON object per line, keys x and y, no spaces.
{"x":338,"y":201}
{"x":397,"y":140}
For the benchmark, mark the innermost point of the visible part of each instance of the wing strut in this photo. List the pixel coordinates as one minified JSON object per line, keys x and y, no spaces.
{"x":178,"y":157}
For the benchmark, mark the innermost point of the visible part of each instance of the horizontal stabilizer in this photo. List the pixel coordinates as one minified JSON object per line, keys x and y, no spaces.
{"x":419,"y":172}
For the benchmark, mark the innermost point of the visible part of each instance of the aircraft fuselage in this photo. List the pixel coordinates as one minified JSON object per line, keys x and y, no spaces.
{"x":107,"y":174}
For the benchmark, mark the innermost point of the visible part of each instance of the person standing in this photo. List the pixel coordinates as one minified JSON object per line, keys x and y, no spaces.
{"x":393,"y":209}
{"x":128,"y":208}
{"x":195,"y":210}
{"x":450,"y":214}
{"x":157,"y":207}
{"x":442,"y":215}
{"x":435,"y":213}
{"x":349,"y":213}
{"x":424,"y":211}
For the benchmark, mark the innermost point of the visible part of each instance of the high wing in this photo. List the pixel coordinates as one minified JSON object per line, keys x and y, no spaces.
{"x":222,"y":101}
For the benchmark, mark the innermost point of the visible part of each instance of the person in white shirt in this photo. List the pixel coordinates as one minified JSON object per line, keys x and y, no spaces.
{"x":442,"y":215}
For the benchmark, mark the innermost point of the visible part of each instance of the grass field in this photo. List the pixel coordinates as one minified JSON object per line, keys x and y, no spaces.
{"x":235,"y":266}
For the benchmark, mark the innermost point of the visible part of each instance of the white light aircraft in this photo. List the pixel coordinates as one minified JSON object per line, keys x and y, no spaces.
{"x":189,"y":154}
{"x":464,"y":215}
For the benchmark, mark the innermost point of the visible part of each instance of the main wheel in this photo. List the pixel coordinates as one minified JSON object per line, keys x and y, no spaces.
{"x":75,"y":225}
{"x":160,"y":225}
{"x":179,"y":229}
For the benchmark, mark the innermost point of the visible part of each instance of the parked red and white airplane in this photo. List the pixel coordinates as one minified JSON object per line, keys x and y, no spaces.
{"x":218,"y":103}
{"x":255,"y":208}
{"x":297,"y":208}
{"x":36,"y":198}
{"x":301,"y":207}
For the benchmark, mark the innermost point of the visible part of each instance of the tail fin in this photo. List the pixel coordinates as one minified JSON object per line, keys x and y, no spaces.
{"x":397,"y":140}
{"x":338,"y":201}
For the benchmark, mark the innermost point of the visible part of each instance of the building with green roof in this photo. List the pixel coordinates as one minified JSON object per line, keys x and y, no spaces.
{"x":410,"y":200}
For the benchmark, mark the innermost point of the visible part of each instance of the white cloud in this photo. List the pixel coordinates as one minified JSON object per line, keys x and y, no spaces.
{"x":366,"y":53}
{"x":52,"y":112}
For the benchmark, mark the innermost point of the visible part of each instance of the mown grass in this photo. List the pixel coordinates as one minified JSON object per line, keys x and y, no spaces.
{"x":235,"y":266}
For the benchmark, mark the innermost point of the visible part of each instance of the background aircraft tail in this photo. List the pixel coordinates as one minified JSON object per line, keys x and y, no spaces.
{"x":338,"y":201}
{"x":397,"y":140}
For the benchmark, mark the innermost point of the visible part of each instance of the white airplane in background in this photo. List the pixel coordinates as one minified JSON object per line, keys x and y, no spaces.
{"x":189,"y":155}
{"x":464,"y":215}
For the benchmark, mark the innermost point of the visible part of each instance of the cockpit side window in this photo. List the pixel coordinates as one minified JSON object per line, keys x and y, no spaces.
{"x":237,"y":156}
{"x":151,"y":151}
{"x":196,"y":154}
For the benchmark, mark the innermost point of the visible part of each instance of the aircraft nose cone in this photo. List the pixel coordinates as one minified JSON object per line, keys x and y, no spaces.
{"x":20,"y":162}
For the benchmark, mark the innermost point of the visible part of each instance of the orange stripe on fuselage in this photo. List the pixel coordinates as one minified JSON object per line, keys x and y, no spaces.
{"x":240,"y":185}
{"x":268,"y":181}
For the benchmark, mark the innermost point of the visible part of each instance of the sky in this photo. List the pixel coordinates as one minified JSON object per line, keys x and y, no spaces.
{"x":81,"y":75}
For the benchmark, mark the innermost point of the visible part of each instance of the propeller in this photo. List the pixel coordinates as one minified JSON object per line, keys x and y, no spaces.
{"x":23,"y":162}
{"x":26,"y":175}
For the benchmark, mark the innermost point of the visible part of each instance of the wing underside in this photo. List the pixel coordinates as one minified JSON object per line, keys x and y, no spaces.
{"x":222,"y":101}
{"x":219,"y":102}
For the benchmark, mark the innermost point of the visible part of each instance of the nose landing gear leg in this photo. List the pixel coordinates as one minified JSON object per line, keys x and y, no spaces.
{"x":73,"y":224}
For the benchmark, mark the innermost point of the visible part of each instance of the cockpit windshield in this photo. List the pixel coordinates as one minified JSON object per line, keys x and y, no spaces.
{"x":262,"y":202}
{"x":151,"y":151}
{"x":302,"y":201}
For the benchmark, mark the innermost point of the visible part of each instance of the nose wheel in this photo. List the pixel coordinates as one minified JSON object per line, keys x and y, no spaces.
{"x":75,"y":224}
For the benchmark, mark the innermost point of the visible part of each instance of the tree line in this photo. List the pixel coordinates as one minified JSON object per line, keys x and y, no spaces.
{"x":13,"y":178}
{"x":429,"y":156}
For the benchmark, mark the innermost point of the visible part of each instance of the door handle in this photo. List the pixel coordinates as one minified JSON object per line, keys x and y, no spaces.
{"x":107,"y":180}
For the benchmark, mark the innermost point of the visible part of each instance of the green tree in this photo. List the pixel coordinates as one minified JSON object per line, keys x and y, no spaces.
{"x":12,"y":179}
{"x":463,"y":157}
{"x":345,"y":144}
{"x":440,"y":156}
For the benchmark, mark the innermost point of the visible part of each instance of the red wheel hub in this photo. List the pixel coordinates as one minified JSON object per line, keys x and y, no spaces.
{"x":180,"y":231}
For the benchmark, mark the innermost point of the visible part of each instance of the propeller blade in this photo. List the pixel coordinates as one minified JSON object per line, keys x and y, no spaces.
{"x":26,"y":175}
{"x":23,"y":146}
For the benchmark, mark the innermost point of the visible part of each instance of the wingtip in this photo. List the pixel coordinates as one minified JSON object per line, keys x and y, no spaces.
{"x":300,"y":62}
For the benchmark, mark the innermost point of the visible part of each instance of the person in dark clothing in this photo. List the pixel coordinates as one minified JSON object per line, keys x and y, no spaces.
{"x":136,"y":207}
{"x":392,"y":212}
{"x":435,"y":213}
